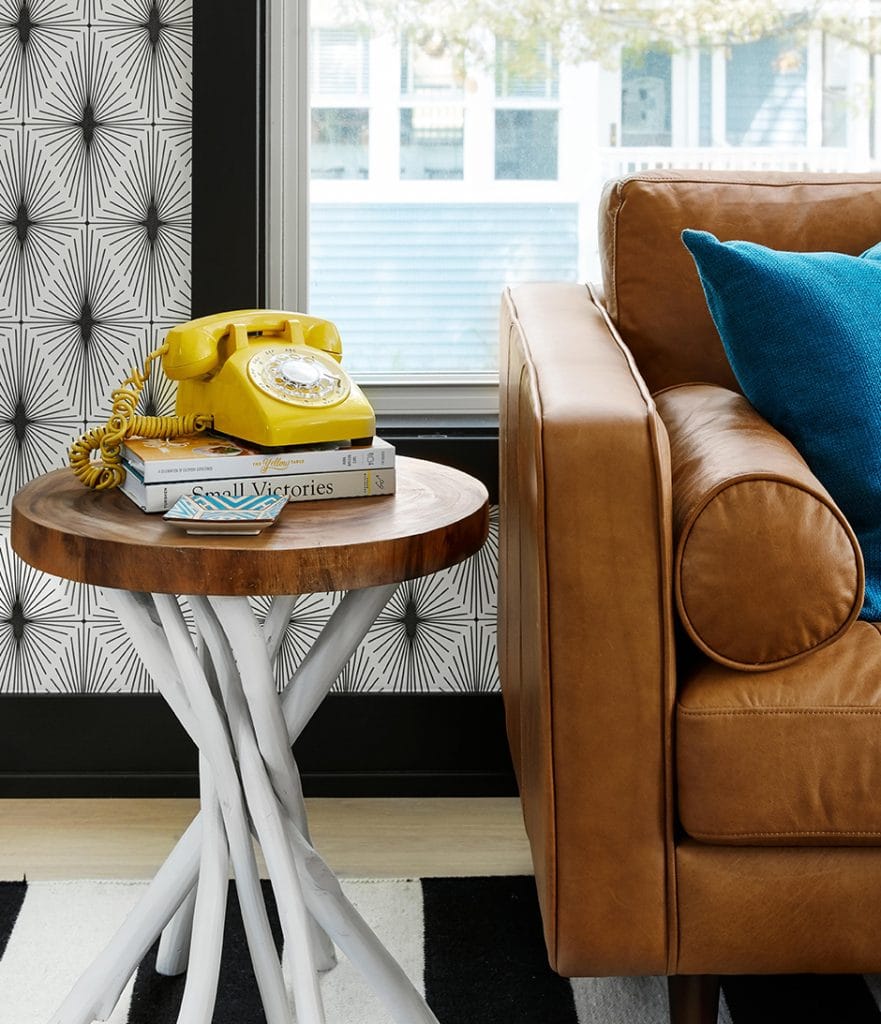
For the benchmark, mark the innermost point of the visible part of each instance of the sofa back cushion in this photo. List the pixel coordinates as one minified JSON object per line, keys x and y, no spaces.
{"x":803,"y":335}
{"x":651,"y":287}
{"x":766,"y":567}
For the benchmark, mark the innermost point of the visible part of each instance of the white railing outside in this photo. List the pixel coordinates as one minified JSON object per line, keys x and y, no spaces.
{"x":619,"y":161}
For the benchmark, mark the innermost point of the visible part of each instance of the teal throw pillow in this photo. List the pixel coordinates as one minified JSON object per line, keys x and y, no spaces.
{"x":803,"y":335}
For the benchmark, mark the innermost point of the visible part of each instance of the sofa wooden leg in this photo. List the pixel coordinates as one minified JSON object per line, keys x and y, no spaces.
{"x":694,"y":998}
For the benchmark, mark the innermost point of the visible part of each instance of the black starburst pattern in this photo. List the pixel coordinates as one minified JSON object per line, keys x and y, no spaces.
{"x":476,"y":579}
{"x":36,"y":424}
{"x":88,"y":124}
{"x":120,"y":652}
{"x":307,"y":620}
{"x":36,"y":624}
{"x":81,"y":597}
{"x":413,"y":640}
{"x":9,"y":123}
{"x":35,"y":223}
{"x":84,"y":668}
{"x":82,"y":84}
{"x":360,"y":674}
{"x":474,"y":667}
{"x":87,"y":327}
{"x":146,"y":224}
{"x":153,"y":41}
{"x":35,"y":37}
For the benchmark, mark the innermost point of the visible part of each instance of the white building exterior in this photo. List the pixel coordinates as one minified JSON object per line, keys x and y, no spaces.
{"x":397,"y":131}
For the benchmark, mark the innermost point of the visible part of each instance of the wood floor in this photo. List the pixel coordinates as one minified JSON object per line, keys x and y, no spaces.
{"x":370,"y":838}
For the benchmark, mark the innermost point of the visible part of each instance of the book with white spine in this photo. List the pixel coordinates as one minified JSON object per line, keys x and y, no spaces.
{"x":346,"y":483}
{"x":212,"y":456}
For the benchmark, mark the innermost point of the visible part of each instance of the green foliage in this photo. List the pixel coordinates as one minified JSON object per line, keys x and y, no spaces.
{"x":596,"y":30}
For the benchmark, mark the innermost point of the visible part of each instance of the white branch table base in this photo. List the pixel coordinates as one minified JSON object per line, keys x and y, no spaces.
{"x":220,"y":685}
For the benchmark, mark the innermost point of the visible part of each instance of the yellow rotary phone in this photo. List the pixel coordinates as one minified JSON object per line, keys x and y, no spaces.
{"x":265,"y":376}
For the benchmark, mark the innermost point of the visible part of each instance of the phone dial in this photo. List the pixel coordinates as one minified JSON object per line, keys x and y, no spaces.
{"x":265,"y":376}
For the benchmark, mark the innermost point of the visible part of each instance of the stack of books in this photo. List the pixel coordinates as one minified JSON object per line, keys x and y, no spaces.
{"x":159,"y":471}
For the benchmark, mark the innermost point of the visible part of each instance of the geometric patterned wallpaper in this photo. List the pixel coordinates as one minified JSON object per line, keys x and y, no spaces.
{"x":95,"y":190}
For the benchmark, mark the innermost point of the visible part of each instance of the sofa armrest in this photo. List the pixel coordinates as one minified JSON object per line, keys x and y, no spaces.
{"x":585,"y":621}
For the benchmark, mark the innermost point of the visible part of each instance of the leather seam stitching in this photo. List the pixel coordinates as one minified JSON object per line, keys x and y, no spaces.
{"x":666,"y":615}
{"x":818,"y":832}
{"x":788,"y":182}
{"x":685,"y":537}
{"x":528,"y":370}
{"x":783,"y":712}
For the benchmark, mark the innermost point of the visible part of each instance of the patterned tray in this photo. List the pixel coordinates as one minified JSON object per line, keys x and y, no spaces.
{"x":216,"y":514}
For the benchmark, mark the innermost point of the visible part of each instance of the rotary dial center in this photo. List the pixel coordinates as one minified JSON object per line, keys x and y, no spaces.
{"x":299,"y":377}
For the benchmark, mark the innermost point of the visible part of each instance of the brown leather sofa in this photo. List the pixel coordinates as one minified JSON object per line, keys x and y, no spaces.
{"x":693,"y":708}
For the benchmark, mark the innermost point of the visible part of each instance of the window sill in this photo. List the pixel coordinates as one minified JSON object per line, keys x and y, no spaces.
{"x":434,"y":399}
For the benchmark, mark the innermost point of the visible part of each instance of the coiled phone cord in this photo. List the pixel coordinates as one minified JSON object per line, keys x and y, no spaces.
{"x":108,"y":473}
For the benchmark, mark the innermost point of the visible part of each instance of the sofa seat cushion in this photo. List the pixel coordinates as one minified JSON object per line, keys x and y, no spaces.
{"x":787,"y":757}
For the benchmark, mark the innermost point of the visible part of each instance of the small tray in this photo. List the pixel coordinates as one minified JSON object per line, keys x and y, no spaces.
{"x":212,"y":514}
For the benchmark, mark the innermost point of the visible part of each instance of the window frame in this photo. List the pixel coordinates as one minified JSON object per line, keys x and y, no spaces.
{"x":420,"y":399}
{"x":415,"y":395}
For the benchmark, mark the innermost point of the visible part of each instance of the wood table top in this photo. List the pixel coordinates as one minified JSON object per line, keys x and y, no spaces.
{"x":437,"y":517}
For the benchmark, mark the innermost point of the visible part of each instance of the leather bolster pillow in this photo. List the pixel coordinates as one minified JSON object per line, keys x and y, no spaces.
{"x":766,"y":568}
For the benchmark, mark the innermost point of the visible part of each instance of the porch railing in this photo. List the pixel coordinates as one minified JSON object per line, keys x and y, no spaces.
{"x":616,"y":162}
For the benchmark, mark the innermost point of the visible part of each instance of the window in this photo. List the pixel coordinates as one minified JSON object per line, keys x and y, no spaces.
{"x":766,"y":94}
{"x":646,"y":98}
{"x":836,"y":78}
{"x":526,"y":117}
{"x":339,"y":142}
{"x":444,"y":164}
{"x":526,"y":144}
{"x":339,"y":62}
{"x":431,"y":142}
{"x":432,"y":129}
{"x":428,"y":69}
{"x":526,"y":72}
{"x":340,"y":89}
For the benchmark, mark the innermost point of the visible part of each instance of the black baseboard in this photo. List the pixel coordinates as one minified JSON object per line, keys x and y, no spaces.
{"x":356,"y":745}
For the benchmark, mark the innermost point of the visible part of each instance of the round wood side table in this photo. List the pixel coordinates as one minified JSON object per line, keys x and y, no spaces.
{"x":220,"y":685}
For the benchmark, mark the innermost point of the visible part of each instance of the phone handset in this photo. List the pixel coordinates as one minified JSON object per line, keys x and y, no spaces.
{"x":198,"y":348}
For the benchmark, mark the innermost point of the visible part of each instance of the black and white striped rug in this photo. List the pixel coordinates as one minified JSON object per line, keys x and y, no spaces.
{"x":472,"y":944}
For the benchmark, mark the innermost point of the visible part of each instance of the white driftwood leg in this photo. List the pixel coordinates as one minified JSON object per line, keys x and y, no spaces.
{"x":213,"y":741}
{"x":203,"y":972}
{"x":313,"y":678}
{"x":163,"y":642}
{"x":328,"y":904}
{"x":295,"y":918}
{"x":339,"y":918}
{"x":244,"y":740}
{"x":274,"y":626}
{"x":276,"y":622}
{"x":322,"y":943}
{"x":174,"y":946}
{"x":98,"y":989}
{"x":265,"y":810}
{"x":112,"y":970}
